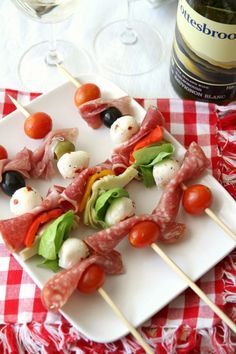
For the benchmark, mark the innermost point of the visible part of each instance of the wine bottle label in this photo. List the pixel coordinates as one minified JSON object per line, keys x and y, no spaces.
{"x":204,"y":56}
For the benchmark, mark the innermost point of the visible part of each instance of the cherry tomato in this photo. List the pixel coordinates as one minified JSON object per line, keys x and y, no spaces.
{"x":3,"y":153}
{"x":38,"y":125}
{"x":196,"y":199}
{"x":144,"y":234}
{"x":85,"y":93}
{"x":92,"y":279}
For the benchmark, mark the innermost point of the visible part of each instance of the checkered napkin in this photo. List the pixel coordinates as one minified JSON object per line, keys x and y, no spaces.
{"x":186,"y":324}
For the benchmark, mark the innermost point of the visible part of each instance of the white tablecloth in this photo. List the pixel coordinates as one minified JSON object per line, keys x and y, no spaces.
{"x":18,"y":33}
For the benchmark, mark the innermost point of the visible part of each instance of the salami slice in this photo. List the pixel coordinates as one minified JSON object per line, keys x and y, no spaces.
{"x":194,"y":164}
{"x":105,"y":241}
{"x":14,"y":230}
{"x":90,"y":111}
{"x":75,"y":190}
{"x":111,"y":263}
{"x":60,"y":287}
{"x":121,"y":154}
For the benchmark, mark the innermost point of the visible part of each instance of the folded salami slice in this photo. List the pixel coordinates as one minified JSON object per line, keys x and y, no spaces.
{"x":59,"y":288}
{"x":90,"y":111}
{"x":14,"y":230}
{"x":194,"y":164}
{"x":74,"y":192}
{"x":121,"y":154}
{"x":105,"y":241}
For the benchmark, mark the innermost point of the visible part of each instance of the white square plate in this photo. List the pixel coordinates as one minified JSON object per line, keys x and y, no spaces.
{"x":148,"y":284}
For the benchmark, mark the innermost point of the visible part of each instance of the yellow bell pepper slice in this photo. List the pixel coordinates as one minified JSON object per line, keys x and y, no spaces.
{"x":89,"y":185}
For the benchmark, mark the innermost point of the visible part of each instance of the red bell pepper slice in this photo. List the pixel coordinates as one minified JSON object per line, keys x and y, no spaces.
{"x":39,"y":220}
{"x":153,"y":137}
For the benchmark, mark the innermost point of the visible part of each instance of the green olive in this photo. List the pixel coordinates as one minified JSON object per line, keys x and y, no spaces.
{"x":62,"y":148}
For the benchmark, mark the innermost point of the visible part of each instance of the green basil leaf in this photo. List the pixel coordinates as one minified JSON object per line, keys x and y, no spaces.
{"x":53,"y":236}
{"x":52,"y":265}
{"x":147,"y":175}
{"x":146,"y":155}
{"x":105,"y":199}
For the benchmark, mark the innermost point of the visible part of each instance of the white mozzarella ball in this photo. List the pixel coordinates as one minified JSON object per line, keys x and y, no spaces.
{"x":24,"y":200}
{"x":72,"y":162}
{"x":119,"y":209}
{"x":164,"y":171}
{"x":71,"y":252}
{"x":123,"y":129}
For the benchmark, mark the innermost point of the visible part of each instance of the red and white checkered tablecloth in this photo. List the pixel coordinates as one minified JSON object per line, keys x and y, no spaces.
{"x":186,"y":325}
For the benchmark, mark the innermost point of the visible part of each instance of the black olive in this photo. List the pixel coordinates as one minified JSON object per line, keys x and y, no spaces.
{"x":110,"y":115}
{"x":11,"y":181}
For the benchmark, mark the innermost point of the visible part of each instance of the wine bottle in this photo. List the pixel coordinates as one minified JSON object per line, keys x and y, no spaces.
{"x":203,"y":61}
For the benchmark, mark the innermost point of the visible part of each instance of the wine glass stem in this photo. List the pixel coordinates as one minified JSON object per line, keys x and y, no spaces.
{"x":129,"y":36}
{"x":53,"y":57}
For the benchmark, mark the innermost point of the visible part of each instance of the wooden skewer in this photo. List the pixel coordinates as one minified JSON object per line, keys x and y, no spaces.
{"x":220,"y":223}
{"x":194,"y":287}
{"x":117,"y":311}
{"x":69,"y":76}
{"x":216,"y":219}
{"x":19,"y":106}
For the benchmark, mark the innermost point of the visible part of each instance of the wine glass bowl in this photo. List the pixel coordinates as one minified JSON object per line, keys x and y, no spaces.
{"x":47,"y":11}
{"x":128,"y":47}
{"x":37,"y":67}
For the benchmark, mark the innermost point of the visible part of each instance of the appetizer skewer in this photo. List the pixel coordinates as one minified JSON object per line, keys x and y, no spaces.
{"x":208,"y":211}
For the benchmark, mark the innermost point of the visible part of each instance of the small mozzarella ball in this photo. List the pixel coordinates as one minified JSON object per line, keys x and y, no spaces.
{"x":123,"y":129}
{"x":24,"y":200}
{"x":164,"y":171}
{"x":72,"y":162}
{"x":119,"y":209}
{"x":71,"y":252}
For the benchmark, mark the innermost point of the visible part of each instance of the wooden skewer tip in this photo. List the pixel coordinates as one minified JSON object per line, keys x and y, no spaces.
{"x":68,"y":75}
{"x":19,"y":106}
{"x":194,"y":287}
{"x":118,"y":312}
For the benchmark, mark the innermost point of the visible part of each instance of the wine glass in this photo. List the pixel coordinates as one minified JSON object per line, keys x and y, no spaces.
{"x":37,"y":67}
{"x":128,"y":47}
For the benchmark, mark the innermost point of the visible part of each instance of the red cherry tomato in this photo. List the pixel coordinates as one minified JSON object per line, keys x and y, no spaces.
{"x":196,"y":199}
{"x":3,"y":153}
{"x":85,"y":93}
{"x":38,"y":125}
{"x":144,"y":234}
{"x":92,"y":279}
